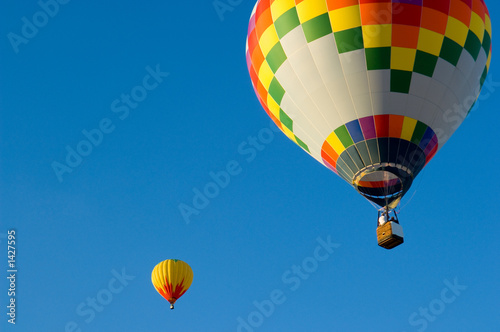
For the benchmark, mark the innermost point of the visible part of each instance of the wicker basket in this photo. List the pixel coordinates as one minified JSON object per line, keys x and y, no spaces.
{"x":390,"y":235}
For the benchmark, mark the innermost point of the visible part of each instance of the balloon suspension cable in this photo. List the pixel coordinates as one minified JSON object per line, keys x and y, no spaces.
{"x":384,"y":209}
{"x":414,"y":192}
{"x":402,"y":207}
{"x":386,"y":189}
{"x":398,"y":211}
{"x":375,"y":206}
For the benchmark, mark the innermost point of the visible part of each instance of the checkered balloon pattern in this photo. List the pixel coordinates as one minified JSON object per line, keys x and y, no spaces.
{"x":372,"y":89}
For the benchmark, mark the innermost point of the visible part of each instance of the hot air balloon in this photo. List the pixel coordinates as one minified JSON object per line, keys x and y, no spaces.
{"x":372,"y":89}
{"x":172,"y":279}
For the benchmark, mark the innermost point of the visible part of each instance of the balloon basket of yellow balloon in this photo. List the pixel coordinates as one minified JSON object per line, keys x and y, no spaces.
{"x":390,"y":235}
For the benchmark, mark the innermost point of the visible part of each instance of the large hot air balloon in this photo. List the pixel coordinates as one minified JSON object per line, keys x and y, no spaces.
{"x":372,"y":89}
{"x":172,"y":279}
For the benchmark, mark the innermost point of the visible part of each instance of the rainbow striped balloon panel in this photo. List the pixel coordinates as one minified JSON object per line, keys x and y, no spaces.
{"x":381,"y":139}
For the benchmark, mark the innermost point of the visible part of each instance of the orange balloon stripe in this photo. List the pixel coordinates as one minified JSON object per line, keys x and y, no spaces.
{"x":434,"y":20}
{"x":371,"y":12}
{"x":460,"y":11}
{"x":405,"y":36}
{"x":395,"y":125}
{"x":329,"y":155}
{"x":337,"y":4}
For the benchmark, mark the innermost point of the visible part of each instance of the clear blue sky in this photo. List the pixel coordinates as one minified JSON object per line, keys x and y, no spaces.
{"x":88,"y":240}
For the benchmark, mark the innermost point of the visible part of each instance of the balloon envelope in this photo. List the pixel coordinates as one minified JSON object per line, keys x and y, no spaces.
{"x":172,"y":279}
{"x":371,"y":89}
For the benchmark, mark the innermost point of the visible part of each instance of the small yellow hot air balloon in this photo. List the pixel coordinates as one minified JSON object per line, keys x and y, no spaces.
{"x":172,"y":279}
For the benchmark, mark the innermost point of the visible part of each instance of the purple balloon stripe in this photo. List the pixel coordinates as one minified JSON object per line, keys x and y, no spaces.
{"x":251,"y":24}
{"x":368,"y":127}
{"x":431,"y":145}
{"x":410,"y":2}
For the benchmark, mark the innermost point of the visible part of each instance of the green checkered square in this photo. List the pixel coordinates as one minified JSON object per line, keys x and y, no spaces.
{"x":486,"y":43}
{"x":425,"y":63}
{"x":276,"y":57}
{"x":349,"y":40}
{"x":317,"y":27}
{"x":302,"y":144}
{"x":286,"y":120}
{"x":378,"y":58}
{"x":287,"y":22}
{"x":400,"y":81}
{"x":276,"y":91}
{"x":473,"y":45}
{"x":450,"y":51}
